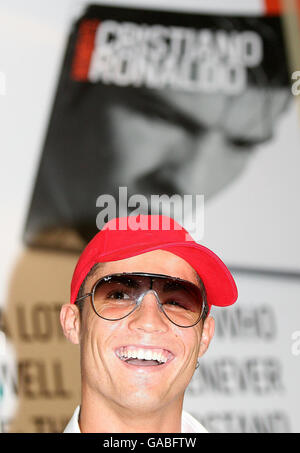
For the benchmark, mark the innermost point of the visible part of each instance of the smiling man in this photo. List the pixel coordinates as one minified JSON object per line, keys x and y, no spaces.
{"x":140,"y":297}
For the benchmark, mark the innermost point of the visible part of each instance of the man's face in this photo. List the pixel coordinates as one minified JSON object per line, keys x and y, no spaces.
{"x":139,"y":387}
{"x":191,"y":143}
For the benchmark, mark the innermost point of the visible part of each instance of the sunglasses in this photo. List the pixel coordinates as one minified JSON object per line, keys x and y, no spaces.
{"x":116,"y":296}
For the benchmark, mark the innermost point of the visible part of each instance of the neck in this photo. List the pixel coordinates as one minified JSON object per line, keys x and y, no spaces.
{"x":100,"y":415}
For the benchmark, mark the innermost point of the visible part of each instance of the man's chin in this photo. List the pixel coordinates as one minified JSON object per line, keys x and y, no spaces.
{"x":142,"y":402}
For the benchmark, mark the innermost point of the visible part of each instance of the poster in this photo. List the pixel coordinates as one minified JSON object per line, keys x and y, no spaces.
{"x":165,"y":103}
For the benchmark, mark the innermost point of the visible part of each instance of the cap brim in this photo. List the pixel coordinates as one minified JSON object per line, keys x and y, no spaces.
{"x":219,"y":284}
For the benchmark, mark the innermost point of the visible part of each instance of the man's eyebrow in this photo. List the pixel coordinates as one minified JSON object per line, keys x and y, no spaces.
{"x":152,"y":104}
{"x":171,"y":287}
{"x":127,"y":281}
{"x":175,"y":115}
{"x":243,"y":143}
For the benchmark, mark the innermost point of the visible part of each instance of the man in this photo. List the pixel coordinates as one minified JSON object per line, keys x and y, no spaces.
{"x":141,"y":319}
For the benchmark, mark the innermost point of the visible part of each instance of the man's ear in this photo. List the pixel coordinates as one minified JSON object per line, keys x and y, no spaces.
{"x":207,"y":334}
{"x":70,"y":322}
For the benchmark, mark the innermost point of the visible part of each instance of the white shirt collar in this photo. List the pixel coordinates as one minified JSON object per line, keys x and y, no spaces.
{"x":188,"y":423}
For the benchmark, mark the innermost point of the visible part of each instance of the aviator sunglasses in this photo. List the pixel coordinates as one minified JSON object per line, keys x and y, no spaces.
{"x":116,"y":296}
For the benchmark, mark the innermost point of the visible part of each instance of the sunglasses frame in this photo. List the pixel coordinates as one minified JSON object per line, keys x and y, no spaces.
{"x":203,"y":314}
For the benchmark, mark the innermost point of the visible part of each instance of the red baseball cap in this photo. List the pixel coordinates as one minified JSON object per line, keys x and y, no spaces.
{"x":125,"y":237}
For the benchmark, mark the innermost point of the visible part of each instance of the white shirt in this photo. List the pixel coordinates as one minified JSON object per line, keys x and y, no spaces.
{"x":188,"y":424}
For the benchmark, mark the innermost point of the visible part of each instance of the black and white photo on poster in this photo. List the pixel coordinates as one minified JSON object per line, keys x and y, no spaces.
{"x":168,"y":103}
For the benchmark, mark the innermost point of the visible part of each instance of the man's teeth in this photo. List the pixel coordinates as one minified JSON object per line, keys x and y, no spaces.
{"x":142,"y":354}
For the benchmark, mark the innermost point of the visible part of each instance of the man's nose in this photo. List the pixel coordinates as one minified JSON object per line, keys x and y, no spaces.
{"x":149,"y":316}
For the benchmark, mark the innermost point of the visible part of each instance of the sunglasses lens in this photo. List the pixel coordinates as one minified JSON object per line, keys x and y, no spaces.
{"x":182,"y":301}
{"x":116,"y":296}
